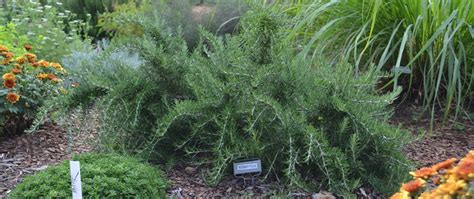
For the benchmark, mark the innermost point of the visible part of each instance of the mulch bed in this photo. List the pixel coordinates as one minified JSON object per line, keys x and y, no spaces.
{"x":24,"y":155}
{"x":29,"y":153}
{"x":448,"y":140}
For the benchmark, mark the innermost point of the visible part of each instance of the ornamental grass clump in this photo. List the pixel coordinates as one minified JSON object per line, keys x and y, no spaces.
{"x":443,"y":180}
{"x":27,"y":83}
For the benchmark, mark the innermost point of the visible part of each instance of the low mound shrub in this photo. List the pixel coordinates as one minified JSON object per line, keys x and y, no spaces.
{"x":442,"y":180}
{"x":102,"y":175}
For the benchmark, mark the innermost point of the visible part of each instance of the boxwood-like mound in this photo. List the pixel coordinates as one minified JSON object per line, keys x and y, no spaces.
{"x":103,"y":176}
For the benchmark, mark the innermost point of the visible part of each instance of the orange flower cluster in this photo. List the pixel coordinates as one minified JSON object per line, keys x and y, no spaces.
{"x":442,"y":180}
{"x":28,"y":59}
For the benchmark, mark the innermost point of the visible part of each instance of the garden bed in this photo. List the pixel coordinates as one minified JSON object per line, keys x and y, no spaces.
{"x":29,"y":153}
{"x":24,"y":155}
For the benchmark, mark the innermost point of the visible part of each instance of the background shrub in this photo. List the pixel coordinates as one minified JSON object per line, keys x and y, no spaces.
{"x":219,"y":17}
{"x":102,"y":175}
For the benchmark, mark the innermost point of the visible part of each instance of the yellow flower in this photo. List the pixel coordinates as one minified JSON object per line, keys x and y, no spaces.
{"x":401,"y":195}
{"x":9,"y":76}
{"x":427,"y":195}
{"x":21,"y":60}
{"x":450,"y":188}
{"x":42,"y":76}
{"x":13,"y":97}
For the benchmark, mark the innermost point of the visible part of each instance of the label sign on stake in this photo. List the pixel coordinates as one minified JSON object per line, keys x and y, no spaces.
{"x":252,"y":166}
{"x":76,"y":186}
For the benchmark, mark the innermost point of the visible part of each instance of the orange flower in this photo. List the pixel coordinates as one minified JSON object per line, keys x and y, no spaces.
{"x":6,"y":61}
{"x":21,"y":60}
{"x":423,"y":172}
{"x":3,"y":48}
{"x":470,"y":155}
{"x":28,"y":47}
{"x":413,"y":185}
{"x":31,"y":57}
{"x":13,"y":97}
{"x":51,"y":76}
{"x":35,"y":64}
{"x":18,"y":66}
{"x":7,"y":55}
{"x":465,"y":167}
{"x":43,"y":63}
{"x":9,"y":83}
{"x":436,"y":180}
{"x":9,"y":76}
{"x":444,"y":165}
{"x":56,"y":65}
{"x":16,"y":71}
{"x":42,"y":76}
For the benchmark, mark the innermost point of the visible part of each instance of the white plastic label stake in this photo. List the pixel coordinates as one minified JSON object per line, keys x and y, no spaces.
{"x":76,"y":180}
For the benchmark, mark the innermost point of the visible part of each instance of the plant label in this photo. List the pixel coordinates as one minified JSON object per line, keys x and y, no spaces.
{"x":76,"y":186}
{"x":252,"y":166}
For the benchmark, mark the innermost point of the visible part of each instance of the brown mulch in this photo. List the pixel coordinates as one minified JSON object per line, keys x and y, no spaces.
{"x":26,"y":154}
{"x":187,"y":182}
{"x":447,"y":140}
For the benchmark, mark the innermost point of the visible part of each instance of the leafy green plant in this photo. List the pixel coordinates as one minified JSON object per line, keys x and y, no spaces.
{"x":102,"y":175}
{"x":27,"y":84}
{"x":433,"y":39}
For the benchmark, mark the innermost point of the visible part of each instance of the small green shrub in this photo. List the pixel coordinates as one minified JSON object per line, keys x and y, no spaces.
{"x":102,"y":176}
